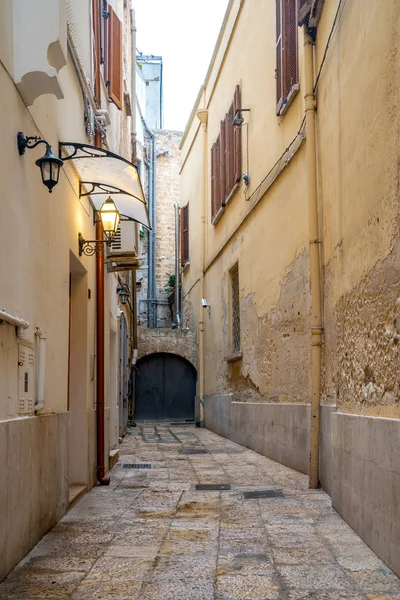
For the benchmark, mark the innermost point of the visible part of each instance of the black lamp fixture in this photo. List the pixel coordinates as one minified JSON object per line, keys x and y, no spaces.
{"x":123,"y":295}
{"x":49,"y":164}
{"x":110,"y":217}
{"x":238,"y":119}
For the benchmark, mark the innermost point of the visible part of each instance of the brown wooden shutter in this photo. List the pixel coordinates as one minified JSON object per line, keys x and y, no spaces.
{"x":228,"y":149}
{"x":185,"y":234}
{"x":289,"y":31}
{"x":214,"y":179}
{"x":279,"y":55}
{"x":237,"y":133}
{"x":222,"y":176}
{"x":115,"y":59}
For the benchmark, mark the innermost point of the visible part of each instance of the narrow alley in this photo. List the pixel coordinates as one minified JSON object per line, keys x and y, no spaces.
{"x":190,"y":515}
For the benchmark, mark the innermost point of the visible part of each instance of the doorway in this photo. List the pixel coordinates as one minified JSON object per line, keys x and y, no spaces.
{"x":165,"y":388}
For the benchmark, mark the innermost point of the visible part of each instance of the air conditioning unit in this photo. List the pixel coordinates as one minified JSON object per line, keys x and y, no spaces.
{"x":122,"y":253}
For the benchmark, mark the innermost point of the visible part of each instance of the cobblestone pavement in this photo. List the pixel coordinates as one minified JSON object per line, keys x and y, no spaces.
{"x":152,"y":535}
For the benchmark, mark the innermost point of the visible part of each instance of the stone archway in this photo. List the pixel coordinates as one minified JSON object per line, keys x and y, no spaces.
{"x":165,"y":387}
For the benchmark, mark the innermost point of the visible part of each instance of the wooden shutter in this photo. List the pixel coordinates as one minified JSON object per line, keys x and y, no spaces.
{"x":304,"y":9}
{"x":286,"y":49}
{"x":279,"y":55}
{"x":289,"y":29}
{"x":185,"y":234}
{"x":222,"y":175}
{"x":115,"y":59}
{"x":228,"y":151}
{"x":237,"y":139}
{"x":214,"y":178}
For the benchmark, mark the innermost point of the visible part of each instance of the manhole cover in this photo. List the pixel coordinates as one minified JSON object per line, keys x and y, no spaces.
{"x":204,"y":487}
{"x":136,"y":466}
{"x":263,"y":494}
{"x":193,"y":451}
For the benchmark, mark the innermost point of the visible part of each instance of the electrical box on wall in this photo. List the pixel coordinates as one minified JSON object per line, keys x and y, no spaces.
{"x":26,"y":380}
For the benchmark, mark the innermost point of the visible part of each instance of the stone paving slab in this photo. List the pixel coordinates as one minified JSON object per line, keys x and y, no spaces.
{"x":151,"y":535}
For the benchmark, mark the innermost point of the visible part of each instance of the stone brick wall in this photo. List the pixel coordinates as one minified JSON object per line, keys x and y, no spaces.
{"x":167,"y":194}
{"x":182,"y":342}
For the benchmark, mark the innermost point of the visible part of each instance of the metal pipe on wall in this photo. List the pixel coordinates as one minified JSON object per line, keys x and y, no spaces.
{"x":177,"y":272}
{"x":315,"y":262}
{"x":101,"y":470}
{"x":151,"y":290}
{"x":203,"y":116}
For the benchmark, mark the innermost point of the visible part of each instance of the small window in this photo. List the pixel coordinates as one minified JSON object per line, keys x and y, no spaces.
{"x":226,"y":158}
{"x":287,"y":70}
{"x":235,"y":310}
{"x":185,"y":234}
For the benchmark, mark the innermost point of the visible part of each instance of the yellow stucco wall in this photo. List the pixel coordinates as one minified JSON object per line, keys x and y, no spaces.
{"x":269,"y":241}
{"x":358,"y":126}
{"x":357,"y":161}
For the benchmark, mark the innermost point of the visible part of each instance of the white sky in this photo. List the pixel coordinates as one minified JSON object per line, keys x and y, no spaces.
{"x":184,"y":33}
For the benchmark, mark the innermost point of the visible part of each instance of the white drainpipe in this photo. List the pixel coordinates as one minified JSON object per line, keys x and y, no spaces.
{"x":20,"y":323}
{"x":39,"y":333}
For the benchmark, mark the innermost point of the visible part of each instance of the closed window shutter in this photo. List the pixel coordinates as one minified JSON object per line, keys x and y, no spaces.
{"x":287,"y":74}
{"x":279,"y":57}
{"x":222,"y":176}
{"x":228,"y":152}
{"x":290,"y":72}
{"x":185,"y":234}
{"x":237,"y":139}
{"x":214,"y":179}
{"x":115,"y":59}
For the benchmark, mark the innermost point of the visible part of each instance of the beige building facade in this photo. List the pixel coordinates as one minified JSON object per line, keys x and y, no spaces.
{"x":60,"y":84}
{"x":291,"y":278}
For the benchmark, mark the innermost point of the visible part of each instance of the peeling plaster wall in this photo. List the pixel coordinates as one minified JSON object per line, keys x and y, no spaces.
{"x":358,"y":131}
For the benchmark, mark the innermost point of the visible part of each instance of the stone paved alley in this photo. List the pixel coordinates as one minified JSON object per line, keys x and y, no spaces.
{"x":153,"y":535}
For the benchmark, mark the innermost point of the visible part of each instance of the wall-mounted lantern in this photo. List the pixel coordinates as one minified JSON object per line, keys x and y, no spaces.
{"x":110,"y":216}
{"x":49,"y":164}
{"x":123,"y":295}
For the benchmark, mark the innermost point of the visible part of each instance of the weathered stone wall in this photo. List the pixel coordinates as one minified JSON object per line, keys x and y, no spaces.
{"x":167,"y":194}
{"x":173,"y":341}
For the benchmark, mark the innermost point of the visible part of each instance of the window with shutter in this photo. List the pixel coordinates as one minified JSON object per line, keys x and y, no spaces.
{"x":226,"y":158}
{"x":104,"y":21}
{"x":115,"y":59}
{"x":287,"y":77}
{"x":237,"y":139}
{"x":185,"y":234}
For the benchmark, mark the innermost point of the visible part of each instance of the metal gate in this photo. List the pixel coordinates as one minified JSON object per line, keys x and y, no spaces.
{"x":165,"y":388}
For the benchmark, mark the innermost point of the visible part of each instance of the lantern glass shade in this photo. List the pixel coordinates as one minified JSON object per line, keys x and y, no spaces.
{"x":110,"y":218}
{"x":123,"y":294}
{"x":49,"y":168}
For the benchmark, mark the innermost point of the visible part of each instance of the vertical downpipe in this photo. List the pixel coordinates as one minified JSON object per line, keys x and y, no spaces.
{"x":315,"y":264}
{"x":177,"y":274}
{"x":100,"y":357}
{"x":99,"y":285}
{"x":154,"y":226}
{"x":203,"y":116}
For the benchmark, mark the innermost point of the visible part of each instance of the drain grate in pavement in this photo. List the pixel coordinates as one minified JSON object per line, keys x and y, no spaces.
{"x":226,"y":451}
{"x":263,"y":494}
{"x":136,"y":466}
{"x":212,"y":487}
{"x":193,"y":451}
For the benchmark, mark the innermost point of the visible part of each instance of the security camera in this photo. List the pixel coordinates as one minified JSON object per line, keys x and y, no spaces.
{"x":246,"y":178}
{"x":204,"y":303}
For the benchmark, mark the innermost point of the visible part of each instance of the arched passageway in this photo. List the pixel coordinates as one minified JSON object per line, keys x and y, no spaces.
{"x":165,"y":387}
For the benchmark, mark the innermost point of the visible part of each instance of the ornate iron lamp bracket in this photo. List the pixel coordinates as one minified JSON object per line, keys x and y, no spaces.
{"x":90,"y":247}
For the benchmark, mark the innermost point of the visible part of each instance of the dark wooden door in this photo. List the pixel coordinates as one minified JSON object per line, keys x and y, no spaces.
{"x":165,"y":387}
